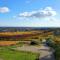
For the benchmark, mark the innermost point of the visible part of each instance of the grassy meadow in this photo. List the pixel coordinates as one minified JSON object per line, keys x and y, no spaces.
{"x":7,"y":54}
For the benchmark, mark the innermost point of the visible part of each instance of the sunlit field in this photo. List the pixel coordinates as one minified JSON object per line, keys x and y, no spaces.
{"x":6,"y":53}
{"x":7,"y":43}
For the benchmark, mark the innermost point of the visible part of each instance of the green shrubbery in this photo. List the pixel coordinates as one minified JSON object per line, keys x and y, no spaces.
{"x":56,"y":46}
{"x":57,"y":51}
{"x":49,"y":42}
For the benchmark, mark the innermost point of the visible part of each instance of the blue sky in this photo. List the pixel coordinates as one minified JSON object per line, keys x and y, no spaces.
{"x":30,"y":13}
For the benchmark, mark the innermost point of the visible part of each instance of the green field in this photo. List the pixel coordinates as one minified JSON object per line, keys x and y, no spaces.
{"x":7,"y":54}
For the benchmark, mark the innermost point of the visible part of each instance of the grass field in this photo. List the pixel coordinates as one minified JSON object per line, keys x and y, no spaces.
{"x":7,"y":54}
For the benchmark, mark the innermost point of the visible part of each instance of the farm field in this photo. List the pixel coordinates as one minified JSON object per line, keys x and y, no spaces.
{"x":20,"y":39}
{"x":18,"y":33}
{"x":7,"y":43}
{"x":26,"y":35}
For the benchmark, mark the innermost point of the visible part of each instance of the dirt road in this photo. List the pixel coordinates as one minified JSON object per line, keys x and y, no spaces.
{"x":46,"y":53}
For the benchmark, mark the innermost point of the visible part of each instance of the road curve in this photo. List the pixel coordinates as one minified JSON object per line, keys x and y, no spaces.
{"x":46,"y":53}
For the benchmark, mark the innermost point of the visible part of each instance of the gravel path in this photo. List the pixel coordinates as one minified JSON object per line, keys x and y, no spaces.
{"x":46,"y":53}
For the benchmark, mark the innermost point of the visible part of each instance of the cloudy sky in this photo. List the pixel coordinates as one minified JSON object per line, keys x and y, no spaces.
{"x":30,"y":13}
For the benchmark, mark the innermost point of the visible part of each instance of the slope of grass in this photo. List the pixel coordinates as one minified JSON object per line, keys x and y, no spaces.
{"x":7,"y":54}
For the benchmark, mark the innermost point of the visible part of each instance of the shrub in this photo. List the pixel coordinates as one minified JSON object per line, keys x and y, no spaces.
{"x":57,"y":53}
{"x":34,"y":42}
{"x":56,"y":47}
{"x":49,"y":42}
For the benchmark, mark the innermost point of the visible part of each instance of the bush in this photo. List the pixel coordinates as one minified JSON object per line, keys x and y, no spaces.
{"x":34,"y":42}
{"x":49,"y":42}
{"x":57,"y":53}
{"x":56,"y":47}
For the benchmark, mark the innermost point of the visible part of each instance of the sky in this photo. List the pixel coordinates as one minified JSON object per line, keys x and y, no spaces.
{"x":29,"y":13}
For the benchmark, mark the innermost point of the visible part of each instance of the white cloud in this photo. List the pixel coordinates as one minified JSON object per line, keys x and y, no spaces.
{"x":40,"y":18}
{"x":42,"y":13}
{"x":4,"y":9}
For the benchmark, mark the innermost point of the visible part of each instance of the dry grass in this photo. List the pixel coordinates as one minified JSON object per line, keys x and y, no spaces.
{"x":7,"y":43}
{"x":15,"y":33}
